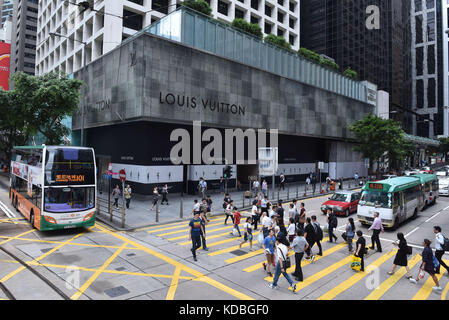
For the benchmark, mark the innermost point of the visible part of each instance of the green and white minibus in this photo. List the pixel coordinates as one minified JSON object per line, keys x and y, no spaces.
{"x":430,"y":187}
{"x":396,"y":200}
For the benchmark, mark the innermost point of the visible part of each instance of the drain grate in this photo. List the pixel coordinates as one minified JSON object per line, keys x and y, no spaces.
{"x":116,"y":292}
{"x":131,"y":254}
{"x":120,"y":269}
{"x":45,"y":250}
{"x":239,"y":252}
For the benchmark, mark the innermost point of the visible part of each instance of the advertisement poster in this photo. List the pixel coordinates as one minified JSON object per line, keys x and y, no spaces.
{"x":5,"y":49}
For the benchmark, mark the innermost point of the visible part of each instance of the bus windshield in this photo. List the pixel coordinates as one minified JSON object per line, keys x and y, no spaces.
{"x":376,"y":198}
{"x":60,"y":200}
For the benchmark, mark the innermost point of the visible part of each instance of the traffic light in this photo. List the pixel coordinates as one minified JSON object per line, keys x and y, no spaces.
{"x":227,"y":172}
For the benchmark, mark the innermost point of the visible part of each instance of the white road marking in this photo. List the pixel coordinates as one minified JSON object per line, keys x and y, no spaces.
{"x":411,"y":232}
{"x":437,"y":214}
{"x":5,"y":209}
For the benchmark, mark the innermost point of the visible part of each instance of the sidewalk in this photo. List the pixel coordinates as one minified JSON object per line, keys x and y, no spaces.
{"x":139,"y":214}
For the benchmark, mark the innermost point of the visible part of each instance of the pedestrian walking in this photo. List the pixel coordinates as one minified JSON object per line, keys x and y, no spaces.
{"x":268,"y":246}
{"x":302,"y":216}
{"x":204,"y":223}
{"x":196,"y":207}
{"x":280,"y":213}
{"x":265,"y":188}
{"x":282,"y":182}
{"x":266,"y":224}
{"x":196,"y":229}
{"x":116,"y":195}
{"x":439,"y":249}
{"x":222,"y":185}
{"x":308,"y":181}
{"x":229,"y":212}
{"x":281,"y":266}
{"x":356,"y":178}
{"x":291,"y":230}
{"x":350,"y":233}
{"x":256,"y":186}
{"x":427,"y":266}
{"x":203,"y":187}
{"x":309,"y":234}
{"x":155,"y":197}
{"x":255,"y":215}
{"x":127,"y":193}
{"x":318,"y":234}
{"x":164,"y":194}
{"x":248,"y":233}
{"x":236,"y":221}
{"x":203,"y":207}
{"x":299,"y":246}
{"x":360,"y":249}
{"x":332,"y":224}
{"x":292,"y":211}
{"x":328,"y":182}
{"x":401,"y":256}
{"x":209,"y":204}
{"x":314,"y":182}
{"x":264,"y":204}
{"x":377,"y":228}
{"x":226,"y":201}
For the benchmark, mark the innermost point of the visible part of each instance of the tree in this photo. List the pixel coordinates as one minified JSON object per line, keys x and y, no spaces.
{"x":37,"y":104}
{"x":444,"y":146}
{"x":377,"y":137}
{"x":198,"y":5}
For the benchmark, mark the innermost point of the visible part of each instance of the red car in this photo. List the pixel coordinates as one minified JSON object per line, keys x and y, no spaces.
{"x":342,"y":203}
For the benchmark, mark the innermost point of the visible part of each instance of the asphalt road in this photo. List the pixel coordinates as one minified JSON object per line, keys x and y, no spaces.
{"x":156,"y":263}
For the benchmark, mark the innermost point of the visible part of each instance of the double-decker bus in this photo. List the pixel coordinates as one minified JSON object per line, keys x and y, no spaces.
{"x":396,"y":200}
{"x":430,"y":187}
{"x":54,"y":187}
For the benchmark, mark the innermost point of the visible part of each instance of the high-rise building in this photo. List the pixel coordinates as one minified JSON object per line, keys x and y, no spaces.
{"x":6,"y":31}
{"x":338,"y":29}
{"x":444,"y":67}
{"x":23,"y":43}
{"x":427,"y":66}
{"x":6,"y":7}
{"x":104,"y":28}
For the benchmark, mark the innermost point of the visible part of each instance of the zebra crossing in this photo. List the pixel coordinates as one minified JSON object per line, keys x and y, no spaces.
{"x":328,"y":277}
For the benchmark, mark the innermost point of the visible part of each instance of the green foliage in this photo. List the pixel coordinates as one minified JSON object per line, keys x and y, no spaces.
{"x":252,"y":28}
{"x":329,"y":64}
{"x":198,"y":5}
{"x":377,"y":137}
{"x":309,"y":55}
{"x":37,"y":104}
{"x":278,"y":41}
{"x":351,"y":74}
{"x":444,"y":146}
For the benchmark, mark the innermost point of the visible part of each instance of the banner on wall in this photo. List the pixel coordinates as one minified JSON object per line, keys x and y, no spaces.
{"x":5,"y":50}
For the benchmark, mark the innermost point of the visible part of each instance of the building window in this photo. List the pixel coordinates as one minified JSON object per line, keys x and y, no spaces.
{"x":291,"y":23}
{"x":281,"y":2}
{"x":431,"y":26}
{"x":255,"y":4}
{"x":239,"y":14}
{"x":420,"y":94}
{"x":160,"y":5}
{"x":292,"y":6}
{"x":430,"y":4}
{"x":267,"y":28}
{"x":419,"y":61}
{"x":140,"y":2}
{"x":280,"y":17}
{"x":431,"y":59}
{"x":431,"y":93}
{"x":222,"y":7}
{"x":419,"y":29}
{"x":254,"y":20}
{"x":291,"y":39}
{"x":418,"y":5}
{"x":268,"y":11}
{"x":132,"y":20}
{"x":280,"y":33}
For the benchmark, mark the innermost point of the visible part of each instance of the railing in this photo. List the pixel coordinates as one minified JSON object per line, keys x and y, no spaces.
{"x":105,"y":207}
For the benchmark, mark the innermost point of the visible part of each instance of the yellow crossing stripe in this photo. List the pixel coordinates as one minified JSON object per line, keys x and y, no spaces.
{"x":444,"y":294}
{"x":331,"y":294}
{"x":292,"y":253}
{"x":173,"y":285}
{"x":181,"y":224}
{"x":213,"y":244}
{"x":245,"y":256}
{"x":208,"y":231}
{"x":426,"y":289}
{"x":233,"y":248}
{"x":17,"y":237}
{"x":377,"y":293}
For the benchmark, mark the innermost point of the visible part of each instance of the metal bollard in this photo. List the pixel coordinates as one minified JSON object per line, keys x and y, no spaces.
{"x":181,"y":213}
{"x":123,"y":217}
{"x":297,"y":190}
{"x":157,"y":211}
{"x":288,"y":193}
{"x":110,"y":211}
{"x":278,"y":195}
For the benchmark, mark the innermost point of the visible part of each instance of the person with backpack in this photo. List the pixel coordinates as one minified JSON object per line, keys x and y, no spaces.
{"x":332,"y":224}
{"x":401,"y":255}
{"x":247,"y":234}
{"x":350,"y":233}
{"x":361,"y":249}
{"x":281,"y":266}
{"x":318,"y":234}
{"x":441,"y":245}
{"x":428,"y":265}
{"x":196,"y":229}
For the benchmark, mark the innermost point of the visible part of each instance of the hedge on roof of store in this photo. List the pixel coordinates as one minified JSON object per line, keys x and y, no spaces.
{"x":278,"y":41}
{"x":198,"y":5}
{"x":252,"y":28}
{"x":351,"y":73}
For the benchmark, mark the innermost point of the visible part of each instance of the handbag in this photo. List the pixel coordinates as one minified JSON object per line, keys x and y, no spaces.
{"x":344,"y":236}
{"x":287,"y":262}
{"x":409,"y":250}
{"x":356,"y":263}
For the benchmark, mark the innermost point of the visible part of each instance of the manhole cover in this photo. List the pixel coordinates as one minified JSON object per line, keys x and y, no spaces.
{"x":239,"y":252}
{"x":131,"y":254}
{"x":45,"y":250}
{"x":116,"y":292}
{"x":120,"y":269}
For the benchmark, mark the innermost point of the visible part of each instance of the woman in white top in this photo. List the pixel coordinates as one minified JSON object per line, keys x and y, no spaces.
{"x":266,"y":224}
{"x":255,"y":214}
{"x":291,"y":230}
{"x":248,"y":233}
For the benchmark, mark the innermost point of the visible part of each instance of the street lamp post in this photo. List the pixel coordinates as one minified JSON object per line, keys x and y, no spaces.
{"x":84,"y":94}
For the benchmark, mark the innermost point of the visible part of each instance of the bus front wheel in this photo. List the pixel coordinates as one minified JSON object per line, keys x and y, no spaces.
{"x":415,"y":214}
{"x":396,"y":224}
{"x":16,"y":204}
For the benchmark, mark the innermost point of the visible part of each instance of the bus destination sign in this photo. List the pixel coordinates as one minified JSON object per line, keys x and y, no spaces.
{"x":376,"y":186}
{"x":70,"y":178}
